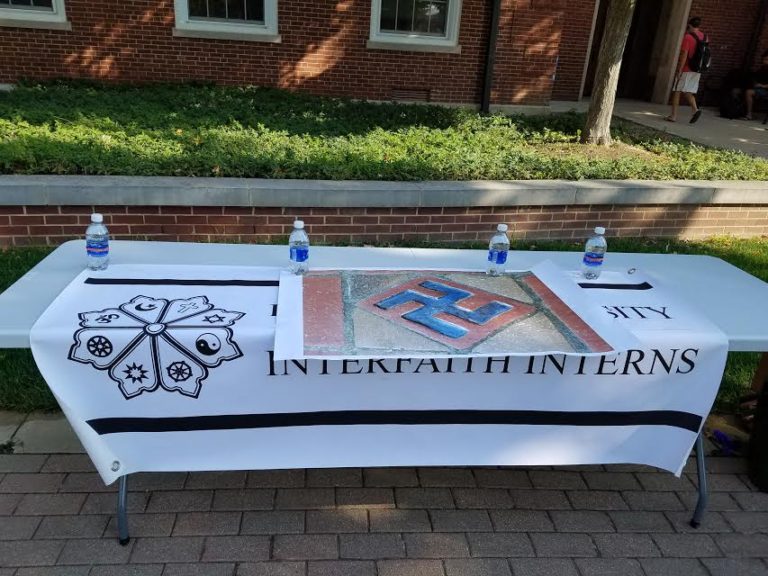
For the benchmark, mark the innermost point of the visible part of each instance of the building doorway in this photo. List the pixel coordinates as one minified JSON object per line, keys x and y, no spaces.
{"x":650,"y":56}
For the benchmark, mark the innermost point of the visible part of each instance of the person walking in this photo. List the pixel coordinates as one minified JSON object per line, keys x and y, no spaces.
{"x":686,"y":78}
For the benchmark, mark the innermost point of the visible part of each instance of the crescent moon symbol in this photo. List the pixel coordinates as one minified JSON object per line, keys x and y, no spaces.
{"x":147,"y":309}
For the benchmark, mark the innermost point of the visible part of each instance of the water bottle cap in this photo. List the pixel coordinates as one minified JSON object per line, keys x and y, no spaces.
{"x":599,"y":230}
{"x":97,"y":218}
{"x":502,"y":227}
{"x":298,"y":224}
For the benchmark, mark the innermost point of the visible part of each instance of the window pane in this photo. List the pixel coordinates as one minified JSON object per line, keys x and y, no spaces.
{"x":217,"y":8}
{"x":4,"y":2}
{"x":404,"y":15}
{"x":254,"y":10}
{"x":21,"y":2}
{"x":44,"y":4}
{"x":198,"y":8}
{"x":421,"y":16}
{"x":388,"y":15}
{"x":438,"y":18}
{"x":236,"y":9}
{"x":430,"y":17}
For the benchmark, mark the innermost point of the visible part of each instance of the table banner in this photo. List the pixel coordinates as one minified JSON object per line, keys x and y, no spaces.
{"x":439,"y":314}
{"x":172,"y":368}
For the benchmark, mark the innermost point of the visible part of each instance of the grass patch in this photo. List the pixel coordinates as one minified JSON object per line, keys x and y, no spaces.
{"x":23,"y":389}
{"x":200,"y":130}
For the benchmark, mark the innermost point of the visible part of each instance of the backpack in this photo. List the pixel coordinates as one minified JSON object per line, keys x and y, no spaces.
{"x":701,"y":59}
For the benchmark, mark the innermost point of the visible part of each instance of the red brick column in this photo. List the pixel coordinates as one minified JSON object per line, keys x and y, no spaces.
{"x":527,"y":50}
{"x":574,"y":43}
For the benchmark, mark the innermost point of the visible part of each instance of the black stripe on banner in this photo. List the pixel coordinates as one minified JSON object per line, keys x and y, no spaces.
{"x":673,"y":418}
{"x":593,"y":286}
{"x":172,"y":282}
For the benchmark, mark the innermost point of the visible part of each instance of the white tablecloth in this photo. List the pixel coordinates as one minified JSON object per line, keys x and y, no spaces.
{"x":197,"y":387}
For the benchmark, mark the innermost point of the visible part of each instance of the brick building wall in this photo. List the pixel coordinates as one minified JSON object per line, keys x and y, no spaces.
{"x":729,"y":26}
{"x":322,"y":51}
{"x":762,"y":44}
{"x":40,"y":225}
{"x":540,"y":55}
{"x":574,"y":42}
{"x":526,"y":53}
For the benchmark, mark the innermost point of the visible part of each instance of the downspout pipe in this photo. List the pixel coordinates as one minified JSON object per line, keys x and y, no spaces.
{"x":493,"y":35}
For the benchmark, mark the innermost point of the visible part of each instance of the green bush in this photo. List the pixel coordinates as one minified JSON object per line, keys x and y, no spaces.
{"x":199,"y":130}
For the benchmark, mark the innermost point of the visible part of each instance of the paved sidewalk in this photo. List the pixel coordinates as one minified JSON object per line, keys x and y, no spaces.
{"x":711,"y":130}
{"x":57,"y":518}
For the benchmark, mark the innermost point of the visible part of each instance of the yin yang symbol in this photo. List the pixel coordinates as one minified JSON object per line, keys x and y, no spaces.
{"x":208,"y":344}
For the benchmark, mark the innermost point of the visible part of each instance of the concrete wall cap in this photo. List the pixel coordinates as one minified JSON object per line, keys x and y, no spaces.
{"x":16,"y":190}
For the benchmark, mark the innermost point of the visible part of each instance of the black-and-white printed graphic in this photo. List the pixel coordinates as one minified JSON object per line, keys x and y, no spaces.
{"x":150,"y":343}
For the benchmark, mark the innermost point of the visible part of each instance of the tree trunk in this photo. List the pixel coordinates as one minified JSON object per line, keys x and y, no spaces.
{"x":598,"y":127}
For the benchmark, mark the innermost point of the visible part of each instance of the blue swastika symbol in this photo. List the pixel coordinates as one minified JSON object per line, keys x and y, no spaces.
{"x":426,"y":315}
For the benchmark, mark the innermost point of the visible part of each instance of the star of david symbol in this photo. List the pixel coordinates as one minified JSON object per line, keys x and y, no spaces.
{"x":453,"y":314}
{"x":151,"y":343}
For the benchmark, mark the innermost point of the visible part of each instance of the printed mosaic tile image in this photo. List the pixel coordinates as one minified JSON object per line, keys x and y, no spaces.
{"x":351,"y":312}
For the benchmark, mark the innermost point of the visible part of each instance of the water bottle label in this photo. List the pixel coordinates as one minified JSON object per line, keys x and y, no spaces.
{"x":497,"y":256}
{"x":97,"y":248}
{"x":299,"y":253}
{"x":593,"y":259}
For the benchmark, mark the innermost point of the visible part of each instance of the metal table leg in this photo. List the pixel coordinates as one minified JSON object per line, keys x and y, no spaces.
{"x":701,"y":504}
{"x":122,"y":511}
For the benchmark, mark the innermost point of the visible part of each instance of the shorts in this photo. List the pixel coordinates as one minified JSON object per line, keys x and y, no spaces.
{"x":688,"y":82}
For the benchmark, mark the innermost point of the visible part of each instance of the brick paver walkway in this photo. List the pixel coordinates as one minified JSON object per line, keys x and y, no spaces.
{"x":57,"y":518}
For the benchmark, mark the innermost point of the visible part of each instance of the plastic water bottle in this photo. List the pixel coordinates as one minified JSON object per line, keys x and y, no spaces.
{"x":298,"y":243}
{"x":594,"y":252}
{"x":97,"y":243}
{"x":498,"y":248}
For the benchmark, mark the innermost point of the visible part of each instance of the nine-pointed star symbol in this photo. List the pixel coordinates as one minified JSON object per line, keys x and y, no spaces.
{"x":213,"y":318}
{"x":135,"y":373}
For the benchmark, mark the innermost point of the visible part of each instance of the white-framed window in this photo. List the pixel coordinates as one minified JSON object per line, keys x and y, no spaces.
{"x":34,"y":14}
{"x":228,"y":19}
{"x":414,"y":24}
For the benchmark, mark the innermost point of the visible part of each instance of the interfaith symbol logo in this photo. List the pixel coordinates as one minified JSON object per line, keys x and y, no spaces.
{"x":99,"y":346}
{"x":208,"y":344}
{"x":151,"y":343}
{"x":453,"y":314}
{"x":179,"y":371}
{"x":135,"y":373}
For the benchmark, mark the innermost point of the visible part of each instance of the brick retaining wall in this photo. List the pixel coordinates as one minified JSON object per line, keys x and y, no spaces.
{"x":40,"y":225}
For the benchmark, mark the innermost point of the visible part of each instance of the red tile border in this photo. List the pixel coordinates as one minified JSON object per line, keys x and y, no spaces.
{"x":323,"y":312}
{"x":573,"y":321}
